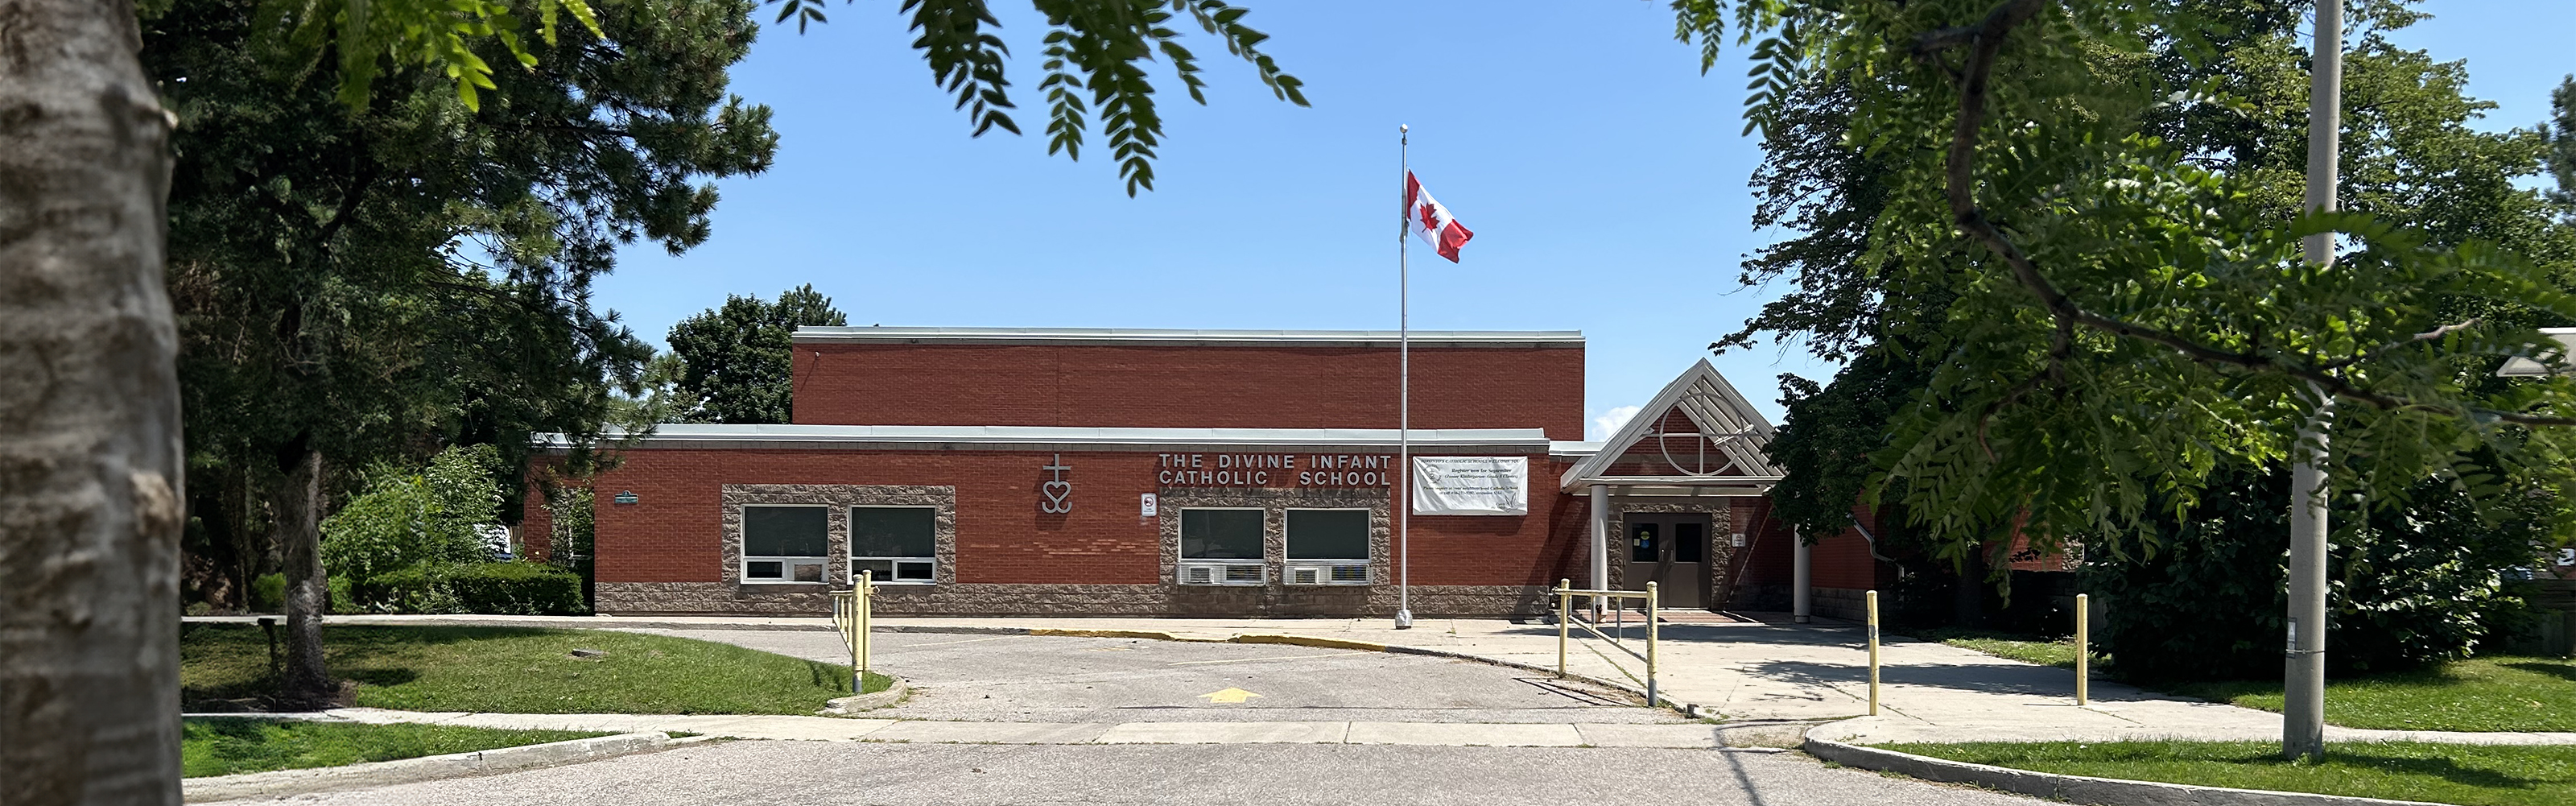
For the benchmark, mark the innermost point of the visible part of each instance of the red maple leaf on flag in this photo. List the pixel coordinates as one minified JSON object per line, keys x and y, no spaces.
{"x":1430,"y":217}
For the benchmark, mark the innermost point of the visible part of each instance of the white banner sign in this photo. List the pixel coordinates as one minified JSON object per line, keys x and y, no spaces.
{"x":1471,"y":485}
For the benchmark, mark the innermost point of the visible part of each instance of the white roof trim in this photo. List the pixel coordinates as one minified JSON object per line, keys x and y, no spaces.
{"x":1086,"y":335}
{"x":1731,"y":413}
{"x":2520,"y":367}
{"x":1519,"y":440}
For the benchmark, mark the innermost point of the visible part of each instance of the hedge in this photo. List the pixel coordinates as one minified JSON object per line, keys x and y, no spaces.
{"x":516,"y":588}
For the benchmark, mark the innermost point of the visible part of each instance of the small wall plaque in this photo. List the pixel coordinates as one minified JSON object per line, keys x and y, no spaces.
{"x":625,"y":497}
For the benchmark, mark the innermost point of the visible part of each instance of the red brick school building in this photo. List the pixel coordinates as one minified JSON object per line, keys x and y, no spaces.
{"x":1198,"y":473}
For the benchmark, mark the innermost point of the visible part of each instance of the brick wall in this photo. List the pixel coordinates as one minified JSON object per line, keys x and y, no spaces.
{"x":674,"y":532}
{"x":1841,"y":561}
{"x":1146,"y":386}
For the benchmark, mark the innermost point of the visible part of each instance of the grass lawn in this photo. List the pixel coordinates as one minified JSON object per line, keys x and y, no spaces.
{"x":217,"y":746}
{"x":524,"y":671}
{"x":2027,"y":649}
{"x":2483,"y":694}
{"x":2502,"y":693}
{"x":2465,"y":774}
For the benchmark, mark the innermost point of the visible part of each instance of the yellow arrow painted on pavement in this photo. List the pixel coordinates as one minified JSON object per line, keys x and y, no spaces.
{"x":1228,"y":695}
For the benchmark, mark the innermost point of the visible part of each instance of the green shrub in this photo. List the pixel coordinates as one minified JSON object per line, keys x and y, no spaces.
{"x":406,"y":519}
{"x":268,"y":594}
{"x":418,"y":589}
{"x":337,"y":598}
{"x":514,"y":588}
{"x":2412,"y":584}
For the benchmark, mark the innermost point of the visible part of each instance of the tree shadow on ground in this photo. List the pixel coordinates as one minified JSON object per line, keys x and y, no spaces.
{"x":234,"y":728}
{"x":1801,"y":635}
{"x":229,"y":664}
{"x":2443,"y":768}
{"x":382,"y":676}
{"x":2564,"y":671}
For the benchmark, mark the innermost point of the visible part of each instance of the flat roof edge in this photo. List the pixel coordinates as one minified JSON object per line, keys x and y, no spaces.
{"x":1531,"y":440}
{"x":950,"y":335}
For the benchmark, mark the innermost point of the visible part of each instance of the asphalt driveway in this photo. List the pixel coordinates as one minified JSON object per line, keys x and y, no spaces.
{"x":1018,"y":678}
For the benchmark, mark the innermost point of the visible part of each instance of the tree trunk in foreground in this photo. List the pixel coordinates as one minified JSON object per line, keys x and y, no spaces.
{"x":295,"y":509}
{"x":90,"y":454}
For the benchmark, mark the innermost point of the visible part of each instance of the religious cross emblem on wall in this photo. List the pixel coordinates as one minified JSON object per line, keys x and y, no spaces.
{"x":1055,"y":497}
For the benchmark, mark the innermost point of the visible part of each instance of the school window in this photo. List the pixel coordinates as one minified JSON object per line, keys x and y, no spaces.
{"x":1328,"y":547}
{"x":895,"y":544}
{"x":784,"y":543}
{"x":1221,"y":547}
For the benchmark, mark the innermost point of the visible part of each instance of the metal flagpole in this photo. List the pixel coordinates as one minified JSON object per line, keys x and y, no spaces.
{"x":1404,"y":390}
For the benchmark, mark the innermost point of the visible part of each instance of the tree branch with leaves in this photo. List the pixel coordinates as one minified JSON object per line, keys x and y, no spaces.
{"x":2119,"y":313}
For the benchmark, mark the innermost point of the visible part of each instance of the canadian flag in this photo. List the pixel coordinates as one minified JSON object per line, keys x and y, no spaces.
{"x":1433,"y":221}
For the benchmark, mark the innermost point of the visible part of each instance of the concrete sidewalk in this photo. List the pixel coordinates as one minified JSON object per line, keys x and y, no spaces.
{"x":1447,"y":734}
{"x":1738,"y":672}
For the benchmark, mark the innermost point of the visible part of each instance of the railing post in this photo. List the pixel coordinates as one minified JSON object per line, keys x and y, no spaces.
{"x":1653,"y":603}
{"x":1873,"y":652}
{"x":867,"y":592}
{"x":2083,"y":649}
{"x":1564,"y":611}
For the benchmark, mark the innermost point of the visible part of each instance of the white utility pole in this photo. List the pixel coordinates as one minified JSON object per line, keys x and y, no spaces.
{"x":2303,"y":712}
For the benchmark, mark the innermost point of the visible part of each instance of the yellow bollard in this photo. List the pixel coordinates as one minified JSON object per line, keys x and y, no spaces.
{"x":1653,"y":602}
{"x":2083,"y":650}
{"x":1873,"y":652}
{"x":867,"y":588}
{"x":1564,"y":613}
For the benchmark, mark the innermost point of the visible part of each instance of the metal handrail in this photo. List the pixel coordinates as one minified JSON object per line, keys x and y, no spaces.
{"x":851,"y":616}
{"x":1565,"y":593}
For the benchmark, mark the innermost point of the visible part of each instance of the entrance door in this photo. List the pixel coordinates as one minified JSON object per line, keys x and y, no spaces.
{"x":1671,"y":551}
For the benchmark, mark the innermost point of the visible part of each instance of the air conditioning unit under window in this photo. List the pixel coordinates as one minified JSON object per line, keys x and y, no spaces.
{"x":1238,"y":572}
{"x":1321,"y":572}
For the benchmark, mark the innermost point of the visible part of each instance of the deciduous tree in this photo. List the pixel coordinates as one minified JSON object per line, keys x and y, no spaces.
{"x":735,"y":361}
{"x":365,"y":285}
{"x":90,"y":445}
{"x":2102,"y":200}
{"x":90,"y":454}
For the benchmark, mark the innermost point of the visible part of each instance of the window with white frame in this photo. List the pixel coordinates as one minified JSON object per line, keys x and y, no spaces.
{"x":785,"y":543}
{"x":1328,"y":547}
{"x":1221,"y":547}
{"x":895,"y":544}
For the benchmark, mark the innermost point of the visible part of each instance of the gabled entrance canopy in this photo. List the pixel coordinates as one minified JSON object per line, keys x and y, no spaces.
{"x":1697,"y":437}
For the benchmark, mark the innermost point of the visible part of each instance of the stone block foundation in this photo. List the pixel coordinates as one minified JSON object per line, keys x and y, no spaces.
{"x":968,"y":599}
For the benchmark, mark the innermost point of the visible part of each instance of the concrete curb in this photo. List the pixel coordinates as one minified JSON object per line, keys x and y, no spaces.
{"x":285,"y":783}
{"x":851,"y":706}
{"x":1146,"y":635}
{"x":2068,"y":788}
{"x":1300,"y":640}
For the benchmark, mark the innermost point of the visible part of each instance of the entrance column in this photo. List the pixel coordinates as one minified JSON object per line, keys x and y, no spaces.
{"x":1600,"y":538}
{"x":1801,"y":578}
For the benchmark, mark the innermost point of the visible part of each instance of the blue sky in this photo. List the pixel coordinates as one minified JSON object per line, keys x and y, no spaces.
{"x":1604,"y":176}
